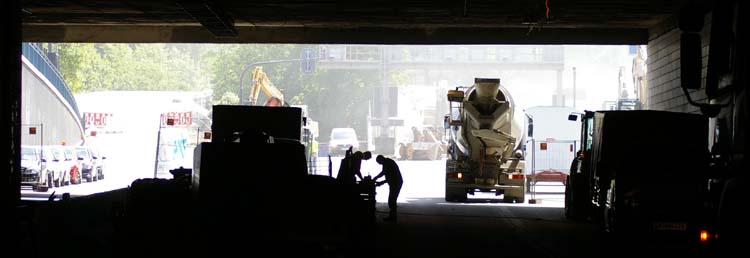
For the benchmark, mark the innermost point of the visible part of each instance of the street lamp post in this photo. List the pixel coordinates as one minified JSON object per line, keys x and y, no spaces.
{"x":158,"y":142}
{"x":574,"y":87}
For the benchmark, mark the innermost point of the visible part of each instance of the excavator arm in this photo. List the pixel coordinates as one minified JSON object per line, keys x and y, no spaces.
{"x":262,"y":83}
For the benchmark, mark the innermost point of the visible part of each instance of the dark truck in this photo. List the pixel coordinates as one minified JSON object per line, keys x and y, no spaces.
{"x":644,"y":174}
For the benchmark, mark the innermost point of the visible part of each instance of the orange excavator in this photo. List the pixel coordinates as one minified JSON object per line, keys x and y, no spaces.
{"x":276,"y":99}
{"x":262,"y":83}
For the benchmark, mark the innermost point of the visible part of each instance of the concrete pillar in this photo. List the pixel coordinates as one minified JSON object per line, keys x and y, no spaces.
{"x":10,"y":114}
{"x":10,"y":102}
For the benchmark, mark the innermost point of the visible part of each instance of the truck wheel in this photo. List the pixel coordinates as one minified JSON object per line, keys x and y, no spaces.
{"x":514,"y":199}
{"x":609,"y":216}
{"x":455,"y":194}
{"x":569,"y":211}
{"x":514,"y":196}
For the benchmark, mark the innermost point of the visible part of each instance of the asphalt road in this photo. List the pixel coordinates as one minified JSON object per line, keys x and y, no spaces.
{"x":428,"y":226}
{"x":484,"y":226}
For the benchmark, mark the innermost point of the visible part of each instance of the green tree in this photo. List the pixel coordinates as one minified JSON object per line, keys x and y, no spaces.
{"x":97,"y":67}
{"x":334,"y":97}
{"x":229,"y":62}
{"x":79,"y":63}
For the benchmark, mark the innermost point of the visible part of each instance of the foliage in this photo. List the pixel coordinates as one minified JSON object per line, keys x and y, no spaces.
{"x":98,"y":67}
{"x":335,"y":97}
{"x":230,"y":61}
{"x":229,"y":98}
{"x":339,"y":98}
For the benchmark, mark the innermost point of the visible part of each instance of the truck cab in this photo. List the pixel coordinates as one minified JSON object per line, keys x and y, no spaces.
{"x":643,"y":173}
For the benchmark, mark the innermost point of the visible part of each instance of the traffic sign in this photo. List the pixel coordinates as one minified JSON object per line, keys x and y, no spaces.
{"x":307,"y":66}
{"x":93,"y":119}
{"x":177,"y":119}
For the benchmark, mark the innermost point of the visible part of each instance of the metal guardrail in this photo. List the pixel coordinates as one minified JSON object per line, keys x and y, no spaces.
{"x":551,"y":155}
{"x":321,"y":165}
{"x":40,"y":61}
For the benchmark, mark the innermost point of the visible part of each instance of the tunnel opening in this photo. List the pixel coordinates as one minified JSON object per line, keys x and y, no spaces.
{"x":672,"y":30}
{"x":145,"y":109}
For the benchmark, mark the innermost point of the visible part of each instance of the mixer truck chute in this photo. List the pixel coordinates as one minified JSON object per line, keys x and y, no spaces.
{"x":483,"y":152}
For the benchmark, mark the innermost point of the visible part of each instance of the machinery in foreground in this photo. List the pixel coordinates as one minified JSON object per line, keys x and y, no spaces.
{"x":249,"y":193}
{"x":275,"y":98}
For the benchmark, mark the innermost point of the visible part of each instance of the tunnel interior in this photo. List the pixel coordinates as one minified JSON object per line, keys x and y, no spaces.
{"x":310,"y":215}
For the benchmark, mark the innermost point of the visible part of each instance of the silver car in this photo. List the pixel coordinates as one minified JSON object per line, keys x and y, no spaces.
{"x":34,"y":166}
{"x":98,"y":159}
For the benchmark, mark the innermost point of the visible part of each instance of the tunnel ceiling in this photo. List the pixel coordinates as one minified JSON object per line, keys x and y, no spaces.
{"x":325,"y":21}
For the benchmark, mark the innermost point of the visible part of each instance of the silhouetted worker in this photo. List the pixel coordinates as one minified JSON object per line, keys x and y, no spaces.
{"x":346,"y":174}
{"x":574,"y":165}
{"x":393,"y":177}
{"x":350,"y":167}
{"x":356,"y":162}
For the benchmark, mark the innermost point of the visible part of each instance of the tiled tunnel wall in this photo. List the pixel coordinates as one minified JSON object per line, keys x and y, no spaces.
{"x":664,"y":91}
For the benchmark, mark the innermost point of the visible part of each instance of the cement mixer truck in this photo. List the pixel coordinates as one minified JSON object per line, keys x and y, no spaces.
{"x":484,"y":152}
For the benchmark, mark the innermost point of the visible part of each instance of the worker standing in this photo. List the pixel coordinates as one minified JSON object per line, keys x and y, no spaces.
{"x":356,"y":162}
{"x":393,"y":177}
{"x":346,"y":173}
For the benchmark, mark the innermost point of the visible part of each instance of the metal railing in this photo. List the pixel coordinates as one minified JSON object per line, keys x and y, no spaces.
{"x":44,"y":65}
{"x":320,"y":166}
{"x":551,"y":155}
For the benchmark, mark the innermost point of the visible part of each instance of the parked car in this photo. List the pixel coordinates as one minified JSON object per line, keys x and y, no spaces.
{"x":98,"y":163}
{"x":51,"y":165}
{"x":86,"y":162}
{"x":59,"y":166}
{"x":74,"y":174}
{"x":341,"y":140}
{"x":33,"y":166}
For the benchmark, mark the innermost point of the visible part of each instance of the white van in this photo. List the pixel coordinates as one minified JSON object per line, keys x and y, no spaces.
{"x":341,"y":139}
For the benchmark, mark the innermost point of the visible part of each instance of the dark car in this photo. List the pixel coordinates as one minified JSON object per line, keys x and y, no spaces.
{"x":87,"y":163}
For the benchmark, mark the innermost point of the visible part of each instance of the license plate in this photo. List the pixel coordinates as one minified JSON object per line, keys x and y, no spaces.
{"x":670,"y":226}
